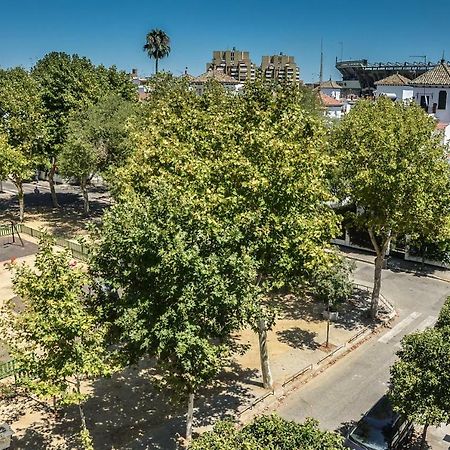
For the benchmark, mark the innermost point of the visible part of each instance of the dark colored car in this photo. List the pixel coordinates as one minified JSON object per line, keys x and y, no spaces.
{"x":380,"y":429}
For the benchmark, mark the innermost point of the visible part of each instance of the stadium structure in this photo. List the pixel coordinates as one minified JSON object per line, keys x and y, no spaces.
{"x":361,"y":75}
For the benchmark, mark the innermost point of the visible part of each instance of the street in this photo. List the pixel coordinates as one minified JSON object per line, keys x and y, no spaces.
{"x":343,"y":393}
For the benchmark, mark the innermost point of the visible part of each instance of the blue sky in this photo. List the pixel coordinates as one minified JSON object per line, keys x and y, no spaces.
{"x":113,"y":32}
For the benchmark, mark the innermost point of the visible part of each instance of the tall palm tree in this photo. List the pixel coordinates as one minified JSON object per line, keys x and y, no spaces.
{"x":157,"y":45}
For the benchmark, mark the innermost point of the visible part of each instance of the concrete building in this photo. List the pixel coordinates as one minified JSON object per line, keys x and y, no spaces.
{"x":234,"y":63}
{"x":228,"y":82}
{"x":397,"y":87}
{"x":280,"y":67}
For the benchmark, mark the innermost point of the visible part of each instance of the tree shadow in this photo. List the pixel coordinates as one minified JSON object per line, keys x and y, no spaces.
{"x":353,"y":313}
{"x":66,"y":221}
{"x":298,"y":338}
{"x":126,"y":411}
{"x":295,"y":307}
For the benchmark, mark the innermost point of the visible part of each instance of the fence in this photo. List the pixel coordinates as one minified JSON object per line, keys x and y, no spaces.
{"x":7,"y":369}
{"x":78,"y":250}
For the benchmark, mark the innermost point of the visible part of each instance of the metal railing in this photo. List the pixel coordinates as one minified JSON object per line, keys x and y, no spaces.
{"x":7,"y":369}
{"x":79,"y":251}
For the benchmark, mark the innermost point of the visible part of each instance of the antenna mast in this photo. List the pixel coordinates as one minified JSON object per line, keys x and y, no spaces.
{"x":321,"y":62}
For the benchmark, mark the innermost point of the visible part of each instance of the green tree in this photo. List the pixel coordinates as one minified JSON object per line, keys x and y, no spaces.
{"x":259,"y":162}
{"x":393,"y":168}
{"x":71,"y":83}
{"x":443,"y":322}
{"x":97,"y":141}
{"x":269,"y":433}
{"x":55,"y":340}
{"x":420,"y":379}
{"x":22,"y":128}
{"x":157,"y":45}
{"x":185,"y":283}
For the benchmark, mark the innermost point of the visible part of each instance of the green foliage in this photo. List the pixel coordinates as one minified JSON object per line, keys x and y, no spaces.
{"x":157,"y":45}
{"x":13,"y":163}
{"x":332,"y":284}
{"x":97,"y":139}
{"x":420,"y":379}
{"x":21,"y":112}
{"x":71,"y":83}
{"x":56,"y":339}
{"x":224,"y":198}
{"x":269,"y":433}
{"x":393,"y":167}
{"x":443,"y":322}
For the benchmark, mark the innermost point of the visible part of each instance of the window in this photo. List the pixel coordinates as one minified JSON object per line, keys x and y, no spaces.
{"x":442,"y":102}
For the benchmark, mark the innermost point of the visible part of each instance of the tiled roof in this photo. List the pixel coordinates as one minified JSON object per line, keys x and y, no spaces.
{"x":394,"y":80}
{"x":215,"y":75}
{"x":328,"y":101}
{"x":441,"y":126}
{"x":438,"y":76}
{"x":330,"y":85}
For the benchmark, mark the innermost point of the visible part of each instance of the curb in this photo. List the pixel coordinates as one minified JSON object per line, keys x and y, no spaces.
{"x":414,"y":272}
{"x":271,"y":399}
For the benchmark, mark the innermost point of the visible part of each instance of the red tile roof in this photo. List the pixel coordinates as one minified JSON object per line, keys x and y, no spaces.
{"x":328,"y":101}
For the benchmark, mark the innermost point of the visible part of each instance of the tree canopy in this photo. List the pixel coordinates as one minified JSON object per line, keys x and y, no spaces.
{"x":55,"y":339}
{"x":23,"y":132}
{"x":268,"y":433}
{"x":420,"y":379}
{"x":392,"y":166}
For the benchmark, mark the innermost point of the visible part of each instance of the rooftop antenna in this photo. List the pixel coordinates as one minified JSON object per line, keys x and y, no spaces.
{"x":321,"y":61}
{"x":424,"y":57}
{"x":443,"y":56}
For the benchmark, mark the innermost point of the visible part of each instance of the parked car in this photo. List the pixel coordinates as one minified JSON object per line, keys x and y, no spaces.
{"x":380,"y":429}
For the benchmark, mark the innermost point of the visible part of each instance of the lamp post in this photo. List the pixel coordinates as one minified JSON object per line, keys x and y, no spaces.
{"x":328,"y":324}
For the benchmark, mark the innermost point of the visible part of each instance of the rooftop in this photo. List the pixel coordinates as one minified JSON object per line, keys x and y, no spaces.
{"x":438,"y":76}
{"x":330,"y":85}
{"x":215,"y":75}
{"x":394,"y":80}
{"x":328,"y":101}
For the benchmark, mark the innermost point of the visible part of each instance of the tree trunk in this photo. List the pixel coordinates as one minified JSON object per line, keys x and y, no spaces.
{"x":85,"y":195}
{"x":190,"y":417}
{"x":424,"y":437}
{"x":51,"y":182}
{"x":156,"y":65}
{"x":21,"y":200}
{"x":264,"y":354}
{"x":379,"y":260}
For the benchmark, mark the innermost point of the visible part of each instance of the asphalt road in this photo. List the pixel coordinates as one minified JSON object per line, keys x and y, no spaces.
{"x":344,"y":392}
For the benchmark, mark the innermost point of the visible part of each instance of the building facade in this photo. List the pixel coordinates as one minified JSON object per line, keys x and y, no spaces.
{"x":234,"y":63}
{"x":230,"y":84}
{"x":396,"y":87}
{"x":280,"y":68}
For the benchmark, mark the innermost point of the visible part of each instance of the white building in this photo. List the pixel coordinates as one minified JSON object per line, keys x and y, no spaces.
{"x":432,"y":92}
{"x":228,"y":82}
{"x":331,"y":88}
{"x":333,"y":108}
{"x":396,"y":87}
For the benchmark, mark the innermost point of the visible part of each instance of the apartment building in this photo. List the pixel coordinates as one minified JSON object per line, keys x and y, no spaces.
{"x":280,"y":67}
{"x":234,"y":63}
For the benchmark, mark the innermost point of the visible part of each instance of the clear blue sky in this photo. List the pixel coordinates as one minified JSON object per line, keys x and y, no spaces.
{"x":113,"y":32}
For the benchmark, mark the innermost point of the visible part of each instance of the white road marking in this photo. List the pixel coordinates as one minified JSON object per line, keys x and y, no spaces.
{"x":428,"y":322}
{"x":399,"y":327}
